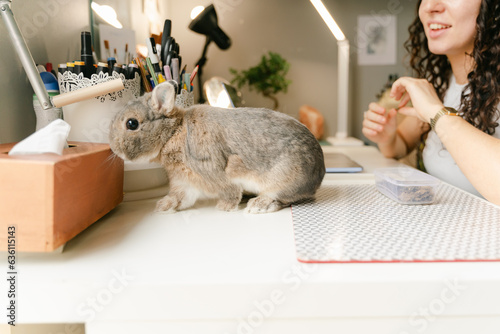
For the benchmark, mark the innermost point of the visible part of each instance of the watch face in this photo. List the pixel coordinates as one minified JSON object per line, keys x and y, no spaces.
{"x":451,"y":110}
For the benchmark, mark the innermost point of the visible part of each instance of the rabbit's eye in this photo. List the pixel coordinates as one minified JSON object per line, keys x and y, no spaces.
{"x":132,"y":124}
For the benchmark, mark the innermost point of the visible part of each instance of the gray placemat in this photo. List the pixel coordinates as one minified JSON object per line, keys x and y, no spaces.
{"x":356,"y":223}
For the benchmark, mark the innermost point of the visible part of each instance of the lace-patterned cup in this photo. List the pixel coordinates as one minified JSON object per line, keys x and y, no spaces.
{"x":184,"y":99}
{"x":90,"y":119}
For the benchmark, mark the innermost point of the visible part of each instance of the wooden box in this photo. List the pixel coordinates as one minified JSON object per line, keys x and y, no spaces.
{"x":52,"y":198}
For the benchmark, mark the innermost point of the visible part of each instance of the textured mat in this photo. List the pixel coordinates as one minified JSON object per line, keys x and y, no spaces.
{"x":356,"y":223}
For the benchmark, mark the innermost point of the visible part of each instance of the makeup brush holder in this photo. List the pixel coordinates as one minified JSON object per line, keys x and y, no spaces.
{"x":90,"y":119}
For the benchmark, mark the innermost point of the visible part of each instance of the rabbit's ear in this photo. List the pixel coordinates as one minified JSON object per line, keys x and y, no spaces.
{"x":163,"y":98}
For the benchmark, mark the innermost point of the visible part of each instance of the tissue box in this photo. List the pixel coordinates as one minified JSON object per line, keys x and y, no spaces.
{"x":52,"y":198}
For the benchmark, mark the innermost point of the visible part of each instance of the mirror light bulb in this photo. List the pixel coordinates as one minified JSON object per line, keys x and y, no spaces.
{"x":107,"y":13}
{"x":196,"y":11}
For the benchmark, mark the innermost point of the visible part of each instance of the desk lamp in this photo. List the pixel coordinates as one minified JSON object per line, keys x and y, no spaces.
{"x":205,"y":23}
{"x":341,"y":136}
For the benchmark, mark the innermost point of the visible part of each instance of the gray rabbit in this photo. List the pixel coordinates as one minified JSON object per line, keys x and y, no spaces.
{"x":211,"y":152}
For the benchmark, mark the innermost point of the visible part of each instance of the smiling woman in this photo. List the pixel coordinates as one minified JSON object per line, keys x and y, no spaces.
{"x":453,"y":48}
{"x":452,"y":31}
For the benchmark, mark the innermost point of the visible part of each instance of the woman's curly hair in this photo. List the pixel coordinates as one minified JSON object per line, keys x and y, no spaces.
{"x":481,"y":97}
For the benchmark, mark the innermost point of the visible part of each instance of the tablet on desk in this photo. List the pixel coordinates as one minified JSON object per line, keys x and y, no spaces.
{"x":341,"y":163}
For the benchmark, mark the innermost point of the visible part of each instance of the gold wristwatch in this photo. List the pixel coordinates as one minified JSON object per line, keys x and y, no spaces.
{"x":445,"y":111}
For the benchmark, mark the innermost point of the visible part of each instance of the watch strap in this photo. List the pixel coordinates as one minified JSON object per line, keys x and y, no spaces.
{"x":444,"y":111}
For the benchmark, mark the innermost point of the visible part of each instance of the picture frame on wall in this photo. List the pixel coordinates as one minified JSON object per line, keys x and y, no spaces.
{"x":376,"y":40}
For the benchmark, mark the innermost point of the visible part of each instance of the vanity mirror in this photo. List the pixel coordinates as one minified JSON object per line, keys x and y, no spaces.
{"x":220,"y":93}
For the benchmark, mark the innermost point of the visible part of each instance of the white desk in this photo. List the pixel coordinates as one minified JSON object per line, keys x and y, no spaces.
{"x":206,"y":271}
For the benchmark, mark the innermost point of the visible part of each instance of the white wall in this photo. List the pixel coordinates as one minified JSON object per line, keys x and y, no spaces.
{"x":52,"y":31}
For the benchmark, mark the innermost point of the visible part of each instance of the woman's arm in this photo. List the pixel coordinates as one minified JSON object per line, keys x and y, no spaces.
{"x":393,"y":141}
{"x":475,"y":152}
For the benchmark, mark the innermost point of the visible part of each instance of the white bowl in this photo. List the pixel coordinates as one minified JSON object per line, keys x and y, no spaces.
{"x":144,"y":180}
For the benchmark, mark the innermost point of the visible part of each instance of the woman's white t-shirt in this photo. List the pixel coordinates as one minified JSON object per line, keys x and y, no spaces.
{"x":437,"y":160}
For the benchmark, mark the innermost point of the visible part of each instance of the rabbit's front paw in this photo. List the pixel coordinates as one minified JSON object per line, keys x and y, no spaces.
{"x":167,"y":204}
{"x":263,"y":204}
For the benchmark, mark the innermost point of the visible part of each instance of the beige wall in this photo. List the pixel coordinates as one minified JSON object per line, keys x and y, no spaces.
{"x":43,"y":329}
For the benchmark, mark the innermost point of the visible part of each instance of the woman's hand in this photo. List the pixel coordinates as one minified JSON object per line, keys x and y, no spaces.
{"x":379,"y":127}
{"x":422,"y":95}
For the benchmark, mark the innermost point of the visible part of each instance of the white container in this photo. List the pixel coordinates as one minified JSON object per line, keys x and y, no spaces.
{"x":90,"y":119}
{"x":406,"y":185}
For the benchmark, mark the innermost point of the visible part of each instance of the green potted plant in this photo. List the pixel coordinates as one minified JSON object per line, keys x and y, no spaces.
{"x":267,"y":78}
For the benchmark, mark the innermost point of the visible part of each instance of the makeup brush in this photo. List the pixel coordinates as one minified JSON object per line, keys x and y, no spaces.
{"x":94,"y":55}
{"x":127,"y":55}
{"x":106,"y":46}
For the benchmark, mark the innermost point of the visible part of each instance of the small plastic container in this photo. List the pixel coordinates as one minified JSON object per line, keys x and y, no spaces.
{"x":406,"y":185}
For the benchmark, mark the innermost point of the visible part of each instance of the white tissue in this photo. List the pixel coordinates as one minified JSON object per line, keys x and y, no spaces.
{"x":49,"y":139}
